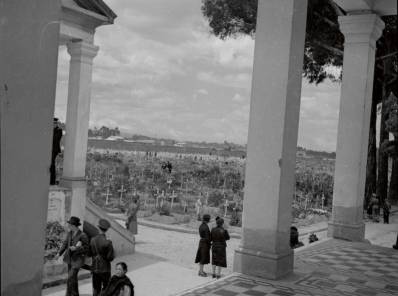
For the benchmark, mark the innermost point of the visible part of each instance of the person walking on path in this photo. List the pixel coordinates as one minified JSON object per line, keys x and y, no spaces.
{"x":102,"y":253}
{"x":375,"y":208}
{"x":119,"y":284}
{"x":386,"y":212}
{"x":131,"y":223}
{"x":56,"y":149}
{"x":396,"y":244}
{"x":75,"y":247}
{"x":218,"y":236}
{"x":203,"y":253}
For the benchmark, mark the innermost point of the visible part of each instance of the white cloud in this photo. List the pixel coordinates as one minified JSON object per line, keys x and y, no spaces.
{"x":160,"y":72}
{"x":238,"y":80}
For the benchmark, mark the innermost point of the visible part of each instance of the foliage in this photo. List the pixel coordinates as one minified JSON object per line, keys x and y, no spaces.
{"x":209,"y":180}
{"x":54,"y":238}
{"x":104,"y":132}
{"x":323,"y":42}
{"x":392,"y":109}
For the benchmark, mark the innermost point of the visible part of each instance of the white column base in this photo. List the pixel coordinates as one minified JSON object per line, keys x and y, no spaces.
{"x":78,"y":189}
{"x":263,"y":265}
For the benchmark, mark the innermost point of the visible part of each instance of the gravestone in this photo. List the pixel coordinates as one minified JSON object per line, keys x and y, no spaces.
{"x":59,"y":209}
{"x":56,"y":206}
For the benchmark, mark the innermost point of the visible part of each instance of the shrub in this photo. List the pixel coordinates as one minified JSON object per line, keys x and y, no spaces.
{"x":54,"y":237}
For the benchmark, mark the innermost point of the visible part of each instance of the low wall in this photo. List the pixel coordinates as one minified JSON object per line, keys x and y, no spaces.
{"x":123,"y":241}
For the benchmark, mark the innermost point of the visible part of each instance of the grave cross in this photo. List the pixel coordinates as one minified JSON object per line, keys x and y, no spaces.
{"x":161,"y":202}
{"x":225,"y":207}
{"x":172,"y":197}
{"x":121,"y":190}
{"x":107,"y":194}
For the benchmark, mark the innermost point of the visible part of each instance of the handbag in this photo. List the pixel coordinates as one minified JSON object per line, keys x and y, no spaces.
{"x":99,"y":264}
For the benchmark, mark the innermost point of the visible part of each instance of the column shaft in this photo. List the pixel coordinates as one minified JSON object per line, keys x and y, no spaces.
{"x":361,"y":33}
{"x":77,"y":120}
{"x":273,"y":127}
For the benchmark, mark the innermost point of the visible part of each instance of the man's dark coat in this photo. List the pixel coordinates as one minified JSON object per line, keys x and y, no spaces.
{"x":104,"y":247}
{"x":75,"y":258}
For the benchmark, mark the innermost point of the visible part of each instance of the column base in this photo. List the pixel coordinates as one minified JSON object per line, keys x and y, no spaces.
{"x":263,"y":265}
{"x":77,"y":203}
{"x":350,"y":232}
{"x":72,"y":182}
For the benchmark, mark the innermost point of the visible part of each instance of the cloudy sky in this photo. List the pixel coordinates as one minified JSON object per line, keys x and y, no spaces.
{"x":159,"y":72}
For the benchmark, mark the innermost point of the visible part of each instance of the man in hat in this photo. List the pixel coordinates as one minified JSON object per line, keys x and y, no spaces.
{"x":56,"y":149}
{"x":75,"y":248}
{"x":102,"y":253}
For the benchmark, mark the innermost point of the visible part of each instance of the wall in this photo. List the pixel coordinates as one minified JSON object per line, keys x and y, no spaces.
{"x":123,"y":241}
{"x":28,"y":58}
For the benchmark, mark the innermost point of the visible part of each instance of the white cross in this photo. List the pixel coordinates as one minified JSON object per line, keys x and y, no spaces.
{"x":121,"y":190}
{"x":107,"y":195}
{"x":226,"y":207}
{"x":173,"y":196}
{"x":323,"y":200}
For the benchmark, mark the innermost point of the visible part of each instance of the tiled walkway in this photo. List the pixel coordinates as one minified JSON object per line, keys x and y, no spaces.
{"x":328,"y":268}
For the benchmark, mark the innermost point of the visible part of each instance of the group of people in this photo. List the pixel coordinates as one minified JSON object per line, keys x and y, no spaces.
{"x":77,"y":246}
{"x":374,"y":207}
{"x":214,"y":240}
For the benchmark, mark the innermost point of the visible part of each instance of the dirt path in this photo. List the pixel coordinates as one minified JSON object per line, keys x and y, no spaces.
{"x":177,"y":247}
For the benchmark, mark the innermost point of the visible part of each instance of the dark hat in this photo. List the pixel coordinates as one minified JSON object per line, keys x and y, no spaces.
{"x":220,"y":221}
{"x":206,"y":217}
{"x":104,"y":224}
{"x":74,"y":221}
{"x":55,"y":119}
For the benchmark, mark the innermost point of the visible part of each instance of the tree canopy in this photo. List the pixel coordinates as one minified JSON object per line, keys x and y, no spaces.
{"x":323,"y":42}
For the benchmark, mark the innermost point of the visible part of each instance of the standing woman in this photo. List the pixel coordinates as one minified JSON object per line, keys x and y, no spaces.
{"x":219,"y":236}
{"x":131,"y":223}
{"x":203,"y":253}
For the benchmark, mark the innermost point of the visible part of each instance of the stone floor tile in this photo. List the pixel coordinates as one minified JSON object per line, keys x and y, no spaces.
{"x":345,"y":288}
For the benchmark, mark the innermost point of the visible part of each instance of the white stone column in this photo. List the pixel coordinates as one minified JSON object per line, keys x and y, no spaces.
{"x":272,"y":141}
{"x":77,"y":120}
{"x":361,"y":33}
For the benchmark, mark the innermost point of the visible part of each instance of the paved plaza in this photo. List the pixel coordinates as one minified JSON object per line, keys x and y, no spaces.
{"x":331,"y":267}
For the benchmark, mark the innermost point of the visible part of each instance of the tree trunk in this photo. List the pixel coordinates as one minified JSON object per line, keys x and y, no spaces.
{"x":371,"y":166}
{"x":382,"y":167}
{"x":393,"y":188}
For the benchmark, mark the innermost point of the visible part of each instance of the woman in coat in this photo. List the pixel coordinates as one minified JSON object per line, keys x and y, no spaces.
{"x":219,"y":236}
{"x":119,"y":284}
{"x":131,"y":223}
{"x":203,"y":253}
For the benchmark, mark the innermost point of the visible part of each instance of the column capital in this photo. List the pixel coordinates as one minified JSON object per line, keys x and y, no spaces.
{"x":361,"y":28}
{"x":82,"y":51}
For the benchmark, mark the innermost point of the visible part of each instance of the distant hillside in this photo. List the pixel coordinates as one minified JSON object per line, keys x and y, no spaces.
{"x":321,"y":154}
{"x":164,"y":144}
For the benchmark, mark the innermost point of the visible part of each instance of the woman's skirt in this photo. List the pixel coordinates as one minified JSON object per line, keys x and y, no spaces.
{"x":203,"y":253}
{"x":219,"y":255}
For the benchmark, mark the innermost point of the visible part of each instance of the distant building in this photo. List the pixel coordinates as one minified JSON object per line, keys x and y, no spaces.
{"x":180,"y":144}
{"x":115,"y":138}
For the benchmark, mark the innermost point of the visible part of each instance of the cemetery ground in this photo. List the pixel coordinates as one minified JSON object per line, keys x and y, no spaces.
{"x":167,"y":237}
{"x":164,"y":264}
